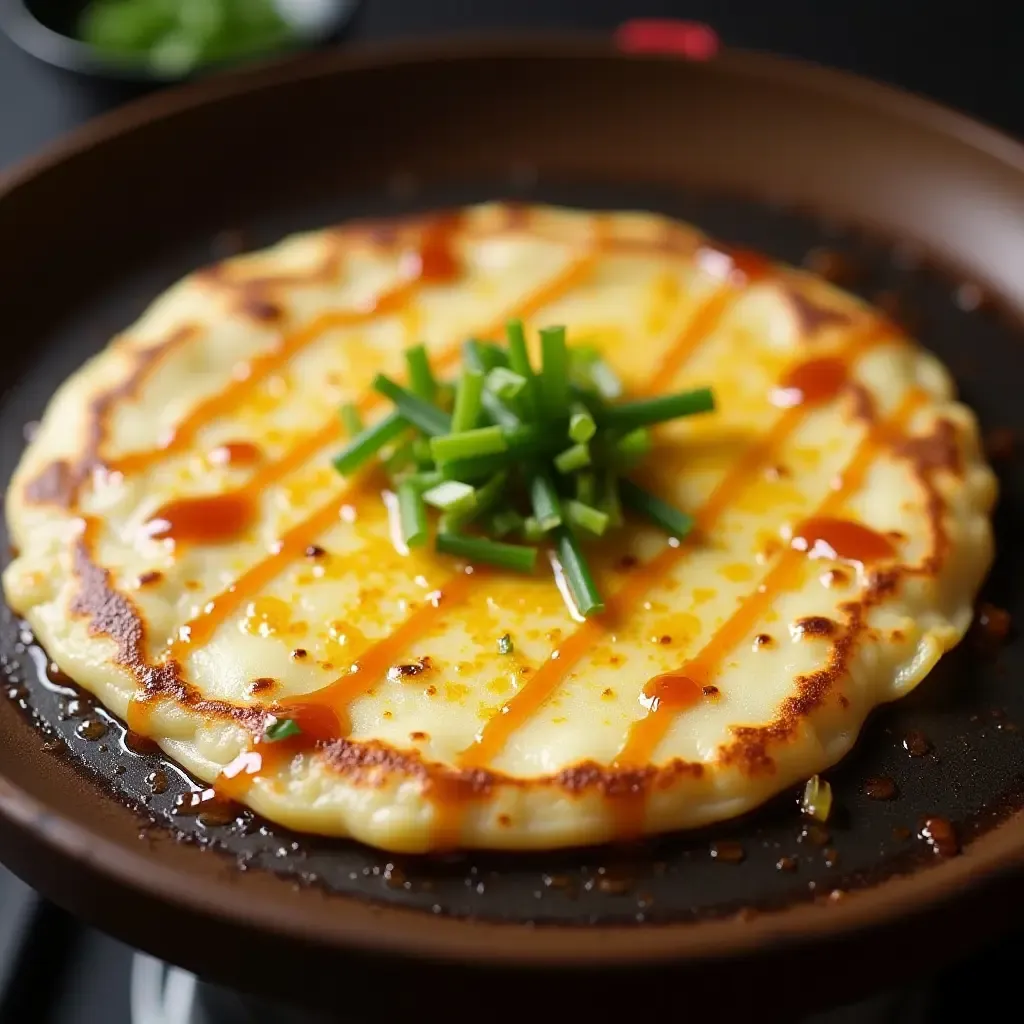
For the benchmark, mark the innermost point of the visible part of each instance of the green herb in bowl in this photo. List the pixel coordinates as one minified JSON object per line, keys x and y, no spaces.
{"x":179,"y":36}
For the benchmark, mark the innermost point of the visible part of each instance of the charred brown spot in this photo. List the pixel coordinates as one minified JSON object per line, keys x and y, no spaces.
{"x":418,"y":737}
{"x":835,"y":578}
{"x":504,"y":821}
{"x":147,"y":579}
{"x":763,"y":640}
{"x":411,"y":669}
{"x":299,"y":654}
{"x":260,"y":308}
{"x":665,"y":639}
{"x":938,"y":450}
{"x":813,"y":626}
{"x":59,"y":482}
{"x":262,"y":685}
{"x":834,"y":266}
{"x":812,"y":317}
{"x":314,"y":551}
{"x":627,"y":562}
{"x":776,"y":472}
{"x":711,"y":691}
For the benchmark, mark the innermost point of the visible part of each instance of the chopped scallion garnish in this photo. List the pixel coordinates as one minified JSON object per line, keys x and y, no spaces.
{"x":421,"y":377}
{"x":412,"y":514}
{"x":280,"y":729}
{"x":479,"y":549}
{"x":507,"y":450}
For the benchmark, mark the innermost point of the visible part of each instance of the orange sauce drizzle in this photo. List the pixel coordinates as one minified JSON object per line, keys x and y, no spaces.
{"x":671,"y":691}
{"x":811,"y":383}
{"x":216,"y":519}
{"x":433,"y":263}
{"x":528,"y":700}
{"x":647,"y":732}
{"x":842,"y":541}
{"x":236,"y":453}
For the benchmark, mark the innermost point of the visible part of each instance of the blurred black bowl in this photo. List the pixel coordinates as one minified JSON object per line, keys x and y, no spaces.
{"x":47,"y":30}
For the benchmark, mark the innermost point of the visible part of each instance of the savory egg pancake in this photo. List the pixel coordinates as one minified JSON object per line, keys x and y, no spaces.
{"x":187,"y":552}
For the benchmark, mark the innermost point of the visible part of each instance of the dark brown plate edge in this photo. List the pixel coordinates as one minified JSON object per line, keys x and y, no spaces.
{"x":986,"y":862}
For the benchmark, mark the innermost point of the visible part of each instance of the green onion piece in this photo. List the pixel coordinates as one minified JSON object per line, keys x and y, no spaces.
{"x":581,"y":423}
{"x":492,"y":552}
{"x":585,"y":517}
{"x":424,"y":480}
{"x":420,"y":414}
{"x":633,"y":446}
{"x":506,"y":384}
{"x":554,"y":377}
{"x":576,"y":457}
{"x":577,"y":574}
{"x":533,"y":532}
{"x":505,"y":645}
{"x":661,"y":513}
{"x":487,"y":497}
{"x":451,"y":496}
{"x":421,"y":377}
{"x":444,"y":399}
{"x":412,"y":514}
{"x":503,"y":523}
{"x":467,"y":401}
{"x":649,"y":411}
{"x":547,"y":509}
{"x":468,"y":444}
{"x":482,"y":356}
{"x":351,"y":419}
{"x":421,"y":453}
{"x":586,"y":488}
{"x":368,"y":442}
{"x":399,"y":459}
{"x":480,"y":468}
{"x":519,"y":361}
{"x":280,"y":729}
{"x":609,"y":501}
{"x":589,"y":372}
{"x":534,"y":438}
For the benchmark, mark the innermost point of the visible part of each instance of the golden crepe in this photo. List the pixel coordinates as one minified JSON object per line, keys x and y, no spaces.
{"x":187,"y":553}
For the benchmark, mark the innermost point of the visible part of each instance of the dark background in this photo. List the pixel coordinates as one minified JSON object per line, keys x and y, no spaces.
{"x":968,"y":56}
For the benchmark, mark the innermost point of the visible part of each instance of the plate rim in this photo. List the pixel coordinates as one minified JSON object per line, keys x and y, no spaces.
{"x":388,"y":930}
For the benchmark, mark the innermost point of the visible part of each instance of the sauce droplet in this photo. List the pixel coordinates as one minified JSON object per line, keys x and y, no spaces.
{"x":218,"y":519}
{"x":842,"y":540}
{"x":236,"y":453}
{"x":880,"y":788}
{"x":728,"y":851}
{"x":916,"y":743}
{"x":941,"y":836}
{"x":672,"y":691}
{"x":812,"y":383}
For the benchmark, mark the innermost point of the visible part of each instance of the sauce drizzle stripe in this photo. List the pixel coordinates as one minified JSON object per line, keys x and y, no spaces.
{"x":201,"y":628}
{"x":262,"y":366}
{"x":646,"y":733}
{"x":520,"y":708}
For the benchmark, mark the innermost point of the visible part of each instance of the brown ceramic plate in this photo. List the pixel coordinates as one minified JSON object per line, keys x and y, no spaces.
{"x":927,"y":209}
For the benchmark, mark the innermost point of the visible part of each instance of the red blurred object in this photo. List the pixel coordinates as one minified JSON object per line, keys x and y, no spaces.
{"x":690,"y":39}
